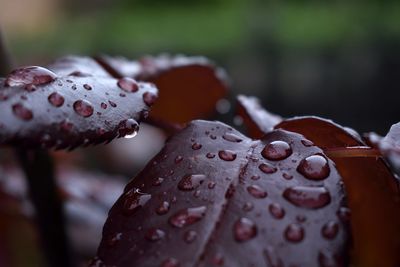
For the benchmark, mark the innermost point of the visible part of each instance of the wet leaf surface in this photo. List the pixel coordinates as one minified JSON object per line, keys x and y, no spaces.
{"x":43,"y":109}
{"x":221,"y":197}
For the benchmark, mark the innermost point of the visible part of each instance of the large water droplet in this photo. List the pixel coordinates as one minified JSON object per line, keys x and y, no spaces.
{"x":170,"y":262}
{"x":330,"y":230}
{"x":154,"y":234}
{"x":128,"y":84}
{"x":307,"y":197}
{"x":276,"y":210}
{"x":232,"y":137}
{"x":294,"y":233}
{"x":227,"y":155}
{"x":256,"y":191}
{"x":56,"y":99}
{"x":83,"y":107}
{"x":276,"y":150}
{"x":87,"y":87}
{"x":128,"y":128}
{"x":244,"y":229}
{"x":149,"y":98}
{"x":163,"y":208}
{"x":187,"y":217}
{"x":30,"y":76}
{"x":314,"y":167}
{"x":134,"y":199}
{"x":190,"y":236}
{"x":196,"y":146}
{"x":22,"y":112}
{"x":267,"y":168}
{"x":191,"y":181}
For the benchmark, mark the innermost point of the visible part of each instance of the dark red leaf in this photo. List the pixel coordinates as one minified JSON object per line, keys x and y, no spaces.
{"x":372,"y":190}
{"x":213,"y":196}
{"x":41,"y":108}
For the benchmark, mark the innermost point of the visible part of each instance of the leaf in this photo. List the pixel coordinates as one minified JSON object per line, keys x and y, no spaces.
{"x":189,"y":87}
{"x":42,"y":109}
{"x":257,"y":120}
{"x":372,"y":190}
{"x":214,"y":196}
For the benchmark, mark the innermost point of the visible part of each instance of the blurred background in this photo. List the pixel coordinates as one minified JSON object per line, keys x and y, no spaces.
{"x":336,"y":59}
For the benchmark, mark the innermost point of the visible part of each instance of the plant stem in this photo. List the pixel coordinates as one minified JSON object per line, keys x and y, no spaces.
{"x":38,"y":168}
{"x":5,"y":59}
{"x":352,"y":152}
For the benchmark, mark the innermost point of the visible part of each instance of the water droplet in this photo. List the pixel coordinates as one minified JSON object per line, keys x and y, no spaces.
{"x":187,"y":217}
{"x":227,"y":155}
{"x":178,"y":159}
{"x":256,"y":191}
{"x":30,"y":75}
{"x":170,"y":262}
{"x":248,"y":206}
{"x":330,"y":230}
{"x":22,"y":112}
{"x":134,"y":199}
{"x":276,"y":210}
{"x":213,"y":136}
{"x":112,"y":103}
{"x":314,"y":167}
{"x":149,"y":98}
{"x":267,"y":168}
{"x":87,"y":86}
{"x":255,"y":177}
{"x":163,"y":208}
{"x":196,"y":146}
{"x":344,"y":214}
{"x":244,"y":229}
{"x":56,"y":99}
{"x":83,"y":107}
{"x":154,"y":234}
{"x":276,"y":150}
{"x":158,"y":181}
{"x":190,"y":236}
{"x":79,"y":74}
{"x":307,"y":197}
{"x":113,"y":240}
{"x":294,"y":233}
{"x":128,"y":84}
{"x":287,"y":176}
{"x":128,"y":128}
{"x":191,"y":181}
{"x":307,"y":143}
{"x":210,"y":155}
{"x":211,"y":185}
{"x":232,"y":137}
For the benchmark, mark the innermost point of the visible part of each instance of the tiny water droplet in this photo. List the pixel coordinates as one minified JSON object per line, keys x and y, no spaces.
{"x":134,"y":199}
{"x":276,"y":210}
{"x":314,"y":167}
{"x":103,"y":105}
{"x":56,"y":99}
{"x":210,"y":155}
{"x":227,"y":155}
{"x":211,"y":185}
{"x":307,"y":197}
{"x":191,"y":181}
{"x":83,"y":107}
{"x":112,"y":103}
{"x":255,"y":177}
{"x":158,"y":181}
{"x":154,"y":234}
{"x":128,"y":84}
{"x":190,"y":236}
{"x":149,"y":98}
{"x":294,"y":233}
{"x":87,"y":86}
{"x":330,"y":230}
{"x":244,"y":229}
{"x":213,"y":136}
{"x":187,"y":217}
{"x":196,"y":146}
{"x":163,"y":208}
{"x":232,"y":137}
{"x":287,"y":176}
{"x":256,"y":191}
{"x":276,"y":150}
{"x":267,"y":168}
{"x":248,"y":206}
{"x":30,"y":75}
{"x":22,"y":112}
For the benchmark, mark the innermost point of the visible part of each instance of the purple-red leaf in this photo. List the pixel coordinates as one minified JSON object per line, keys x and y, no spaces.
{"x":43,"y":109}
{"x":214,"y":197}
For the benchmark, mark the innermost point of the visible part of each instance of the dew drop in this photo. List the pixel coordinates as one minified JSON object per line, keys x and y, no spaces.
{"x":276,"y":150}
{"x":134,"y":199}
{"x":213,"y":136}
{"x":314,"y":167}
{"x":163,"y":208}
{"x":256,"y":191}
{"x":276,"y":210}
{"x":227,"y":155}
{"x":287,"y":176}
{"x":83,"y":107}
{"x":267,"y":168}
{"x":87,"y":87}
{"x":22,"y":112}
{"x":128,"y":128}
{"x":244,"y":229}
{"x":191,"y":181}
{"x":210,"y":155}
{"x":307,"y":197}
{"x":248,"y":206}
{"x":128,"y":85}
{"x":330,"y":230}
{"x":255,"y":177}
{"x":103,"y":105}
{"x":196,"y":146}
{"x":56,"y":99}
{"x":32,"y":75}
{"x":112,"y":103}
{"x":187,"y":217}
{"x":170,"y":262}
{"x":190,"y":236}
{"x":149,"y":98}
{"x":294,"y":233}
{"x":211,"y":185}
{"x":154,"y":234}
{"x":232,"y":137}
{"x":178,"y":159}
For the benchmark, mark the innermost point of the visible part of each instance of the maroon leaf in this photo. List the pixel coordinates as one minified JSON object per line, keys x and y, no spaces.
{"x":189,"y":86}
{"x":214,"y":197}
{"x":41,"y":108}
{"x":257,"y":120}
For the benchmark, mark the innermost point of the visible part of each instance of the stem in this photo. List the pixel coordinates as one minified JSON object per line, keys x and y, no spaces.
{"x":38,"y":168}
{"x":352,"y":152}
{"x":5,"y":58}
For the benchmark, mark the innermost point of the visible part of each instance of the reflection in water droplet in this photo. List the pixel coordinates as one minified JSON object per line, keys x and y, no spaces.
{"x":22,"y":112}
{"x":244,"y":229}
{"x":128,"y":128}
{"x":232,"y":137}
{"x":191,"y":181}
{"x":30,"y":76}
{"x":267,"y":168}
{"x":154,"y":234}
{"x":56,"y":99}
{"x":187,"y":217}
{"x":294,"y":233}
{"x":276,"y":210}
{"x":83,"y":107}
{"x":256,"y":191}
{"x":276,"y":150}
{"x":163,"y":208}
{"x":227,"y":155}
{"x":128,"y":84}
{"x":307,"y":197}
{"x":330,"y":230}
{"x":314,"y":167}
{"x":134,"y":199}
